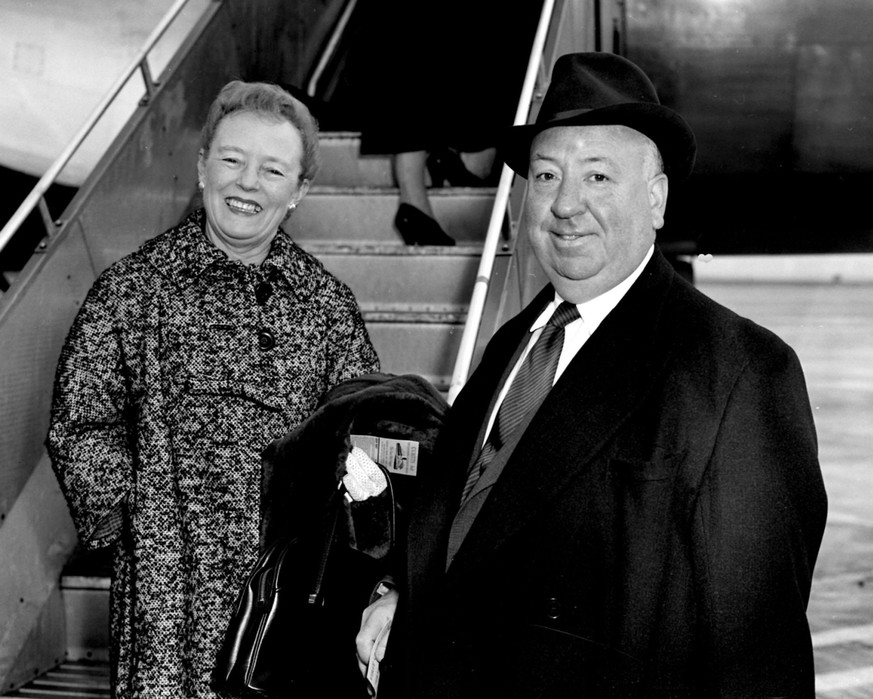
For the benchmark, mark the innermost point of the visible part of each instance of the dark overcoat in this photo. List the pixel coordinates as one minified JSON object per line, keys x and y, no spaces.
{"x":653,"y":533}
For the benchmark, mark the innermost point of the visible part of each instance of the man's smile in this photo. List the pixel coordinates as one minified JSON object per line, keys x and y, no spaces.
{"x":569,"y":236}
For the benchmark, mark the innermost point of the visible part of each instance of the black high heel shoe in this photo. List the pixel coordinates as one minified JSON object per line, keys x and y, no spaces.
{"x":446,"y":166}
{"x":417,"y":228}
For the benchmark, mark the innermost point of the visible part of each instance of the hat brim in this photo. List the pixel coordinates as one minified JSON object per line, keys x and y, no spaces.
{"x":666,"y":128}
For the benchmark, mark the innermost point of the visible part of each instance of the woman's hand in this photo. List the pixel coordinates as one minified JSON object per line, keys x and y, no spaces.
{"x":374,"y":620}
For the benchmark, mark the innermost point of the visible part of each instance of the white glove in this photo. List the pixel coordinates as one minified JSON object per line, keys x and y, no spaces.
{"x":363,"y":478}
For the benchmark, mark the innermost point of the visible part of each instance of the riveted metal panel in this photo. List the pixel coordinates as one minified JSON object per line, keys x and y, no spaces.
{"x":35,"y":541}
{"x":30,"y":339}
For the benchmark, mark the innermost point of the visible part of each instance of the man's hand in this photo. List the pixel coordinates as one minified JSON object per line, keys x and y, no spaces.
{"x":375,"y":618}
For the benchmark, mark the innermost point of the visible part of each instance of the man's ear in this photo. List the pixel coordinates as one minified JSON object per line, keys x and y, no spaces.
{"x":658,"y":188}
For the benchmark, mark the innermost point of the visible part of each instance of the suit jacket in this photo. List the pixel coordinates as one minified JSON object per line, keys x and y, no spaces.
{"x":652,"y":534}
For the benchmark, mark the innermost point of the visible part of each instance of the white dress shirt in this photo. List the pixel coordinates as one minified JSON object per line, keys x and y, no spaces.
{"x":576,"y":334}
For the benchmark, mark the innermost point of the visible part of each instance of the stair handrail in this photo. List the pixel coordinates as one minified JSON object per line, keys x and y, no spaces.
{"x":467,"y":346}
{"x":330,"y":49}
{"x":36,"y":198}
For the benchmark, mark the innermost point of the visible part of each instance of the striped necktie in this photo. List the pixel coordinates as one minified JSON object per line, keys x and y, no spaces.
{"x":530,"y":385}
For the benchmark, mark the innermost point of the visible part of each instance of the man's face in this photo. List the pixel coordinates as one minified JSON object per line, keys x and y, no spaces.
{"x":595,"y":198}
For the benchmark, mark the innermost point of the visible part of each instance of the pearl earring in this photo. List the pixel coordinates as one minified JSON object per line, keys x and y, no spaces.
{"x":200,"y":185}
{"x":291,"y":207}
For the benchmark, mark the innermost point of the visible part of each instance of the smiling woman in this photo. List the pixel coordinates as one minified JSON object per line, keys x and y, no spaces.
{"x":258,"y":155}
{"x":251,"y":181}
{"x":187,"y":358}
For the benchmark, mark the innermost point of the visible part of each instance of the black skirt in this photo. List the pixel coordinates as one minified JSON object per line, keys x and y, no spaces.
{"x":424,"y":76}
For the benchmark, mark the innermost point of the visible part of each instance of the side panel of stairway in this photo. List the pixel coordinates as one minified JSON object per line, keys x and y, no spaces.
{"x":140,"y":187}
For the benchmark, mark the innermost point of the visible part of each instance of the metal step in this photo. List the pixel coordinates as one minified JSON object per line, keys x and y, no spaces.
{"x":396,"y":277}
{"x":343,"y":166}
{"x":70,"y":680}
{"x":417,"y":343}
{"x":414,"y":300}
{"x":363,"y":214}
{"x":85,"y":593}
{"x":86,"y":613}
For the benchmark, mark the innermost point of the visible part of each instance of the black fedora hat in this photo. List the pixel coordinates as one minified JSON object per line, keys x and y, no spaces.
{"x":590,"y":89}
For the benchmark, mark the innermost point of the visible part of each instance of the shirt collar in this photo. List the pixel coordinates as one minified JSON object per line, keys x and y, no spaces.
{"x":594,"y":311}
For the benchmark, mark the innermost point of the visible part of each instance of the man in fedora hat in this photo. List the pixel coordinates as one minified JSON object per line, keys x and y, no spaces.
{"x":644,"y":521}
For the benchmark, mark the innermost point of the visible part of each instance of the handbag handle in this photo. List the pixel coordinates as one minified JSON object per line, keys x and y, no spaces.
{"x":391,"y":506}
{"x":314,"y":596}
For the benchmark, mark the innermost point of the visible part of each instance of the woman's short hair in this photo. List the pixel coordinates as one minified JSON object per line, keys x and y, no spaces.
{"x":271,"y":101}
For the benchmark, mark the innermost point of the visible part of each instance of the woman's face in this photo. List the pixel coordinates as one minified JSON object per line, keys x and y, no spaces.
{"x":250,"y":176}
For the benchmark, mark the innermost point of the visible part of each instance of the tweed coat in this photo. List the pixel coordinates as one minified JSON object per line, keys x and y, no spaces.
{"x":652,"y":534}
{"x":173,"y":379}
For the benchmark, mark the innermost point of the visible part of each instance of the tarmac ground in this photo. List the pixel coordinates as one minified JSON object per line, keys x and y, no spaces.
{"x":830,"y":326}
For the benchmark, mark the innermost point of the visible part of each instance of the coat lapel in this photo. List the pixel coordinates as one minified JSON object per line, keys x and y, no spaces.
{"x":600,"y":388}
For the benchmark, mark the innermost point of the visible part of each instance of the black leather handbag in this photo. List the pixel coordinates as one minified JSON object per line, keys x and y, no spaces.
{"x":292,"y":631}
{"x":281,"y":630}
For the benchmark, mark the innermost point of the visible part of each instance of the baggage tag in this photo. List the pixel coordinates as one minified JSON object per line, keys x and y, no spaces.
{"x":397,"y":455}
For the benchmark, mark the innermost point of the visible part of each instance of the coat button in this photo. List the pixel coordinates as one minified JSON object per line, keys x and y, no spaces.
{"x":266,"y":339}
{"x":553,"y":608}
